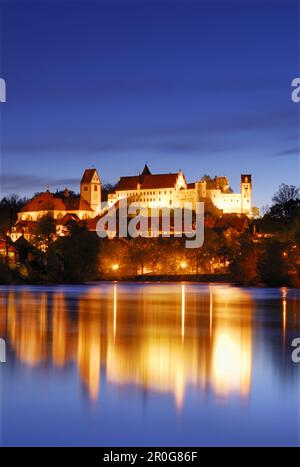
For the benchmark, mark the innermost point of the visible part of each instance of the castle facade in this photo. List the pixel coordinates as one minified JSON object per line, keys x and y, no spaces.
{"x":155,"y":190}
{"x":172,"y":190}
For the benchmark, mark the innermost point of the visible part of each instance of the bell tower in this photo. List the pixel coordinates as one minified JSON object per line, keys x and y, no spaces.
{"x":90,"y":189}
{"x":246,"y":193}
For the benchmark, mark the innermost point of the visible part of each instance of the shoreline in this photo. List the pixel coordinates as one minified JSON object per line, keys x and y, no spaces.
{"x":189,"y":278}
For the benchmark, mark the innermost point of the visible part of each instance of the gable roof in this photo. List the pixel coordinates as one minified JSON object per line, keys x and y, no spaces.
{"x":88,"y":175}
{"x":44,"y":202}
{"x":48,"y":202}
{"x":147,"y":181}
{"x":77,"y":204}
{"x":237,"y":223}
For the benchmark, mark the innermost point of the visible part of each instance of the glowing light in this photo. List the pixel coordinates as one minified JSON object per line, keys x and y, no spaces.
{"x":284,"y":293}
{"x":115,"y":311}
{"x":182,"y":311}
{"x":210,"y":311}
{"x":231,"y":367}
{"x":183,"y":264}
{"x":115,"y":267}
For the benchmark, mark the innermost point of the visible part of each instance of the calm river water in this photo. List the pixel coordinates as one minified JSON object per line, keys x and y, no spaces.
{"x":149,"y":364}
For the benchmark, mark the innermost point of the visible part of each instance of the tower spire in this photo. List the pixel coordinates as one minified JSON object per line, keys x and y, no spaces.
{"x":146,"y":170}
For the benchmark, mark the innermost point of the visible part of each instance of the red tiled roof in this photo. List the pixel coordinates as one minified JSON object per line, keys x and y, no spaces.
{"x":237,"y":223}
{"x":147,"y":181}
{"x":48,"y":202}
{"x":68,"y":217}
{"x":92,"y":223}
{"x":127,"y":183}
{"x":44,"y":202}
{"x":77,"y":204}
{"x":88,"y":175}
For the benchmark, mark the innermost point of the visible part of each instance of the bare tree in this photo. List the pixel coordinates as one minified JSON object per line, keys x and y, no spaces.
{"x":286,"y":193}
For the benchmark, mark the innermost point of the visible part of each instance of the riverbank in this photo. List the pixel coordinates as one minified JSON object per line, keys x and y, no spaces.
{"x":200,"y":278}
{"x":224,"y":278}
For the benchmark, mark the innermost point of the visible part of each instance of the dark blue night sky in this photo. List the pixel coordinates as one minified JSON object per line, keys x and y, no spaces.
{"x":201,"y":86}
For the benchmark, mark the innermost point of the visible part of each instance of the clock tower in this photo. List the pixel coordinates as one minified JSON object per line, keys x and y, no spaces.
{"x":90,"y":189}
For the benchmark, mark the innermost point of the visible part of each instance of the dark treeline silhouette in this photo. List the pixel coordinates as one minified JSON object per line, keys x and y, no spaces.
{"x":9,"y":208}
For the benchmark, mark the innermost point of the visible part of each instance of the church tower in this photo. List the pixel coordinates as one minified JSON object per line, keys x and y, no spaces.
{"x":246,"y":193}
{"x":90,"y":189}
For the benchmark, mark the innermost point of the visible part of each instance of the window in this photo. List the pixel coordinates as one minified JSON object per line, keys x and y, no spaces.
{"x":95,"y":188}
{"x":85,"y":188}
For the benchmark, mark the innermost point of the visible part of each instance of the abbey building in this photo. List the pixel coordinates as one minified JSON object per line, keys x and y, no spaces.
{"x":170,"y":190}
{"x":155,"y":190}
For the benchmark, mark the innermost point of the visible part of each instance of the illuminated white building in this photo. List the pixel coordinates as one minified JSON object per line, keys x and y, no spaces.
{"x":171,"y":190}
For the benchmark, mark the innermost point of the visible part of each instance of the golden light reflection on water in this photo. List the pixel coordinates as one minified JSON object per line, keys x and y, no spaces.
{"x":232,"y":343}
{"x":284,"y":293}
{"x":159,"y":338}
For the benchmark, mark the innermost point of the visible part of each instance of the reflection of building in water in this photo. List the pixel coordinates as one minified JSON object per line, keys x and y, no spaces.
{"x":156,"y":358}
{"x":60,"y":327}
{"x":232,"y":344}
{"x":173,"y":348}
{"x":2,"y":317}
{"x":158,"y":337}
{"x":27,"y":326}
{"x":89,"y":346}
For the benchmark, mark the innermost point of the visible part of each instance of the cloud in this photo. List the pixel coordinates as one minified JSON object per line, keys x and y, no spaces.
{"x":190,"y":136}
{"x":288,"y":152}
{"x":14,"y":182}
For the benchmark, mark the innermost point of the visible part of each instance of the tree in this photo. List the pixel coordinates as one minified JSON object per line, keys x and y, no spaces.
{"x":9,"y":208}
{"x":106,"y":189}
{"x":66,"y":194}
{"x":139,"y":251}
{"x":255,"y":212}
{"x":273,"y":269}
{"x":44,"y":232}
{"x":75,"y":257}
{"x":283,"y":217}
{"x":244,"y":267}
{"x":114,"y":259}
{"x":286,"y":193}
